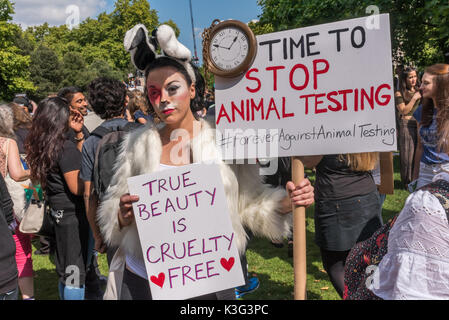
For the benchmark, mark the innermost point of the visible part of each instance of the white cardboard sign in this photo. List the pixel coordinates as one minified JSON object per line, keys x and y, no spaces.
{"x":325,"y":89}
{"x":185,"y":231}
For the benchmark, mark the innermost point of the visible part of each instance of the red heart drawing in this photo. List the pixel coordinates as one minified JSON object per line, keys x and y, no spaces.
{"x":159,"y":280}
{"x":227,"y":264}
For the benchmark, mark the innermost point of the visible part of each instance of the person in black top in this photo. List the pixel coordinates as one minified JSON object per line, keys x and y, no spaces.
{"x":78,"y":102}
{"x":8,"y":268}
{"x":55,"y":162}
{"x":347,"y":207}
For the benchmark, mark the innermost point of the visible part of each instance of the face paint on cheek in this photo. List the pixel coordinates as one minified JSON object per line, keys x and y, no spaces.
{"x":155,"y":101}
{"x":154,"y":96}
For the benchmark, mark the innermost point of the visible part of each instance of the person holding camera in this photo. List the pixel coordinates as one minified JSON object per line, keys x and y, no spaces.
{"x":23,"y":101}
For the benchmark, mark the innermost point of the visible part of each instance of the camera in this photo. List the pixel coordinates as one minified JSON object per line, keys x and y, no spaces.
{"x":22,"y":99}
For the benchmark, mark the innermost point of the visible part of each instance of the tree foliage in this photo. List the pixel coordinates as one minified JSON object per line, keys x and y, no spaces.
{"x":419,"y":28}
{"x":259,"y":28}
{"x":6,"y":10}
{"x":14,"y":72}
{"x":45,"y":70}
{"x":44,"y":58}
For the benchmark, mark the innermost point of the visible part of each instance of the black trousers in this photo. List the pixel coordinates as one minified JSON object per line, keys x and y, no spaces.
{"x":334,"y":264}
{"x":71,"y":245}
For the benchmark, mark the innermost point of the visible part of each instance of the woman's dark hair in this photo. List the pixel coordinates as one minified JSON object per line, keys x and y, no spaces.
{"x":403,"y":80}
{"x":197,"y":103}
{"x":440,"y":71}
{"x":46,"y":137}
{"x":68,"y":93}
{"x":107,"y":97}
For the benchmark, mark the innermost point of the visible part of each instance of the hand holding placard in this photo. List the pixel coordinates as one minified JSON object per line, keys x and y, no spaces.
{"x":126,"y":214}
{"x":187,"y":239}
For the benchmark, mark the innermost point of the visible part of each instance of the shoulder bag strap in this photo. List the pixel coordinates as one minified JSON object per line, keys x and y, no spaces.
{"x":6,"y":160}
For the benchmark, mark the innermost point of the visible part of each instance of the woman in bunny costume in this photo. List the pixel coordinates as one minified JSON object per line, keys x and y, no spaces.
{"x":174,"y":90}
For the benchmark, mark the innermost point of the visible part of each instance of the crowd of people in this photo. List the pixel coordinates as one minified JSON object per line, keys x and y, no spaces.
{"x":48,"y":146}
{"x":59,"y":155}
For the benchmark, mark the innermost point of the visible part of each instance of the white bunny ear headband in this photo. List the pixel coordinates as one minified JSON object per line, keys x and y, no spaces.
{"x":143,"y":48}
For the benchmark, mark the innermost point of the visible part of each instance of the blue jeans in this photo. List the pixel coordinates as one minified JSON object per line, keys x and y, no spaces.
{"x":70,"y":293}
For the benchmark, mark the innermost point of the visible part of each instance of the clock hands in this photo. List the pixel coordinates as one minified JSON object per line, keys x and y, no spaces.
{"x":227,"y":48}
{"x":218,"y":46}
{"x":235,"y":39}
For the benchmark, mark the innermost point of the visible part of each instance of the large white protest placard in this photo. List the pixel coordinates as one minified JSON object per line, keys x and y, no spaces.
{"x":325,"y":89}
{"x":185,"y":231}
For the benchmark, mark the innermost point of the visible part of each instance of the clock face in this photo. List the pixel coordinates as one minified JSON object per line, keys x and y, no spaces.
{"x":229,"y":48}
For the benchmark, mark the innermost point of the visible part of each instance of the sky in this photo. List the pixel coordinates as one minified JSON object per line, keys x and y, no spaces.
{"x":58,"y":12}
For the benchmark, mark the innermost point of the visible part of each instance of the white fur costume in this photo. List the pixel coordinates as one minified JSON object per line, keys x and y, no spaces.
{"x":251,"y":203}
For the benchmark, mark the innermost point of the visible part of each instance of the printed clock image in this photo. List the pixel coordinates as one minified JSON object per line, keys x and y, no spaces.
{"x":232,"y":48}
{"x":229,"y":48}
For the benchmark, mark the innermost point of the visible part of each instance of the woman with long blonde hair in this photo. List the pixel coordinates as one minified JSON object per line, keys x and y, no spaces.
{"x":347,"y":207}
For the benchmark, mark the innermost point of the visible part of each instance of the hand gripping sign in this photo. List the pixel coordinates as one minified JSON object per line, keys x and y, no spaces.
{"x":185,"y":231}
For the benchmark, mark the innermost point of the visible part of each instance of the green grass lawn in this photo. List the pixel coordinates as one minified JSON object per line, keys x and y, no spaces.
{"x":272,"y":265}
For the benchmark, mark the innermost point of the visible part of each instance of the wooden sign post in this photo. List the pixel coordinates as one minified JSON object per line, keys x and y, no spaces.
{"x":299,"y":237}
